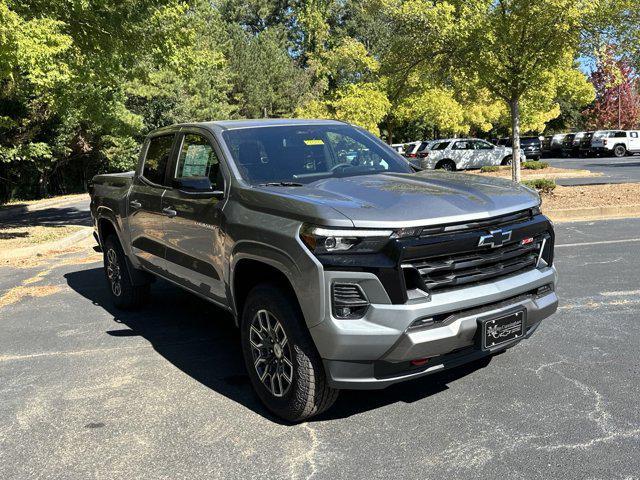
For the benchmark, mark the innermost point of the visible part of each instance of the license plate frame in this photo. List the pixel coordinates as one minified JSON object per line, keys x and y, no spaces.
{"x":499,"y":330}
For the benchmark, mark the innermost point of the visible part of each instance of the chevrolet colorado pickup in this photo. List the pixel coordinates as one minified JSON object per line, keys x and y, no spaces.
{"x":342,"y":266}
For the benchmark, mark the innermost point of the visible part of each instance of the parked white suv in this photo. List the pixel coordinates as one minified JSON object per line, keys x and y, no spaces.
{"x":466,"y":153}
{"x":616,"y":142}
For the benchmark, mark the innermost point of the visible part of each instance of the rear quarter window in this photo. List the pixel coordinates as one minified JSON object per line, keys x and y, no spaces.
{"x":440,"y":146}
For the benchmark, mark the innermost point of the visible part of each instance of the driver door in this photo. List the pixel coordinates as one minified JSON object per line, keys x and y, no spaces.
{"x":192,"y":235}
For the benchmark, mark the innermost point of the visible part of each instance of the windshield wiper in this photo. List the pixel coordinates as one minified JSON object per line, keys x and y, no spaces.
{"x":281,"y":184}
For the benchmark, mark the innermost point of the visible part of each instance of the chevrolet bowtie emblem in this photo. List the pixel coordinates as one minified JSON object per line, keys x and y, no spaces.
{"x":495,"y":238}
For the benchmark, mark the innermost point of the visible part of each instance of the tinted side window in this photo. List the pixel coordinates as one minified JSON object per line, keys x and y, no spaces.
{"x":620,"y":134}
{"x":462,"y":146}
{"x":479,"y":145}
{"x":634,"y":134}
{"x":157,"y":158}
{"x":198,"y":159}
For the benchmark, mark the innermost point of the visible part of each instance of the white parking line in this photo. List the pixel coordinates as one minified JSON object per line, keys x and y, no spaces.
{"x":603,"y":242}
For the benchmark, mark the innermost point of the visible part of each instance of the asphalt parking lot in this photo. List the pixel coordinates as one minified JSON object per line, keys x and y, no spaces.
{"x":87,"y":391}
{"x":613,"y":170}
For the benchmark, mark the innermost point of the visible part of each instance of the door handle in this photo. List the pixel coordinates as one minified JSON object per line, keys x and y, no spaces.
{"x":169,"y":212}
{"x":135,"y":204}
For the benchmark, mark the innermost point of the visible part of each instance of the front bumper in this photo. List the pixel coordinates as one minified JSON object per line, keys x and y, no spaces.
{"x":375,"y":351}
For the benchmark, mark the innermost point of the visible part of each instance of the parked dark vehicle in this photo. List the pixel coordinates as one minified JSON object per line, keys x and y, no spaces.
{"x":568,"y":148}
{"x":341,"y":266}
{"x":585,"y":144}
{"x":545,"y":146}
{"x":531,"y":146}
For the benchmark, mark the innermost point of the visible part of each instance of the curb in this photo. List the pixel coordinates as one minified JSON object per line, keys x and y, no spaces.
{"x":41,"y":249}
{"x":13,"y":211}
{"x":592,"y":213}
{"x":561,"y":176}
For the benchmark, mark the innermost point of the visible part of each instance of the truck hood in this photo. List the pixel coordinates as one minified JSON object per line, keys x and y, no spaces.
{"x":404,"y":200}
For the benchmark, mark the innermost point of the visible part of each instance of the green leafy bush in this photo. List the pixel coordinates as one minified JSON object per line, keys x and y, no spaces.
{"x":542,"y":185}
{"x":534,"y":165}
{"x":490,"y":168}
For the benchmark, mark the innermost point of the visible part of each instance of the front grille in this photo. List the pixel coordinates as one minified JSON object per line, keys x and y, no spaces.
{"x":475,"y":266}
{"x":495,"y":222}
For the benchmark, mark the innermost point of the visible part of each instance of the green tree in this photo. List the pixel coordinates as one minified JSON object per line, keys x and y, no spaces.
{"x":34,"y":68}
{"x":266,"y":81}
{"x":513,"y":46}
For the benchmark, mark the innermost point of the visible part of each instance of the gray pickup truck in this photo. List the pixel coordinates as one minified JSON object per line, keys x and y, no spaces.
{"x":342,"y":266}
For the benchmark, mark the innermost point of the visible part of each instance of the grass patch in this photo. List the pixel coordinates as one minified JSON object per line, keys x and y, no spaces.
{"x":535,"y":165}
{"x":18,"y":237}
{"x":542,"y":185}
{"x":490,"y":168}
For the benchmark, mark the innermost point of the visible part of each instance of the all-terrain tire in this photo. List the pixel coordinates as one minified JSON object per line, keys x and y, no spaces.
{"x":619,"y":151}
{"x":308,"y":394}
{"x":124,"y":294}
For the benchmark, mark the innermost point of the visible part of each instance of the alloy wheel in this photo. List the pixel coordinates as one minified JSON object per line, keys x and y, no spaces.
{"x":113,"y":272}
{"x":619,"y":151}
{"x":271,"y":352}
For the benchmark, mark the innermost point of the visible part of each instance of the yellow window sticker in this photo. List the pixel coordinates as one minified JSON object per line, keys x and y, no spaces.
{"x":313,"y":141}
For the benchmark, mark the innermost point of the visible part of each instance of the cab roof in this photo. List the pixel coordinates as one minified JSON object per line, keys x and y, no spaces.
{"x":249,"y":123}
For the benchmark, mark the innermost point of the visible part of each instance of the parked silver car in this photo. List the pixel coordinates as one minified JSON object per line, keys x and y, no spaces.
{"x":466,"y":153}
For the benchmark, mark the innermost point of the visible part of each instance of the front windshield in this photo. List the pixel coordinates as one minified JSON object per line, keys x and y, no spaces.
{"x":305,"y":153}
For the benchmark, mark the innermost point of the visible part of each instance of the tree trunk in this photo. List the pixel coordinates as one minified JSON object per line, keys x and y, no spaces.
{"x":514,"y":106}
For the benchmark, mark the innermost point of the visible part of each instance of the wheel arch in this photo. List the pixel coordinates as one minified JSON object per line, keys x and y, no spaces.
{"x":107,"y":226}
{"x":446,"y":160}
{"x":249,"y":271}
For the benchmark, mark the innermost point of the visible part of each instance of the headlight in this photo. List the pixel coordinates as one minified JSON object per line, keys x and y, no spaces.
{"x":323,"y":240}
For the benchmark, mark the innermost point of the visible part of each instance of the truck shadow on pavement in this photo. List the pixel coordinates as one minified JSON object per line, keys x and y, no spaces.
{"x":201,"y":340}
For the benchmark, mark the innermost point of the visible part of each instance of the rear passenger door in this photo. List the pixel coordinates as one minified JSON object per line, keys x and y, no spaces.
{"x":144,"y":206}
{"x":193,"y":238}
{"x":463,"y":154}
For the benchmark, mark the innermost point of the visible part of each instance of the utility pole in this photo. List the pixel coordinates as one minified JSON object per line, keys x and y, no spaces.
{"x":619,"y":106}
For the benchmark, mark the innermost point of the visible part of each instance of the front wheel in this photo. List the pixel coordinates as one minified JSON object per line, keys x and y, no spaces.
{"x":283,"y":364}
{"x":619,"y":151}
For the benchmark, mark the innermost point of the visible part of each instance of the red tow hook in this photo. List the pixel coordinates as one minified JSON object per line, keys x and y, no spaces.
{"x":418,"y":362}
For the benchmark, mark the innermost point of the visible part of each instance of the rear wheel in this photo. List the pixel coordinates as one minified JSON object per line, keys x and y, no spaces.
{"x":506,"y":160}
{"x":283,"y":364}
{"x":123,"y":294}
{"x":448,"y":165}
{"x":619,"y":151}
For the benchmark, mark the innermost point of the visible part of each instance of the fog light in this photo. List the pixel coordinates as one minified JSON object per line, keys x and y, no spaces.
{"x":543,"y":290}
{"x":349,"y":301}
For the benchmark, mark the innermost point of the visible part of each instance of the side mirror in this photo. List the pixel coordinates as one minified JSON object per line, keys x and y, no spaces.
{"x":197,"y":187}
